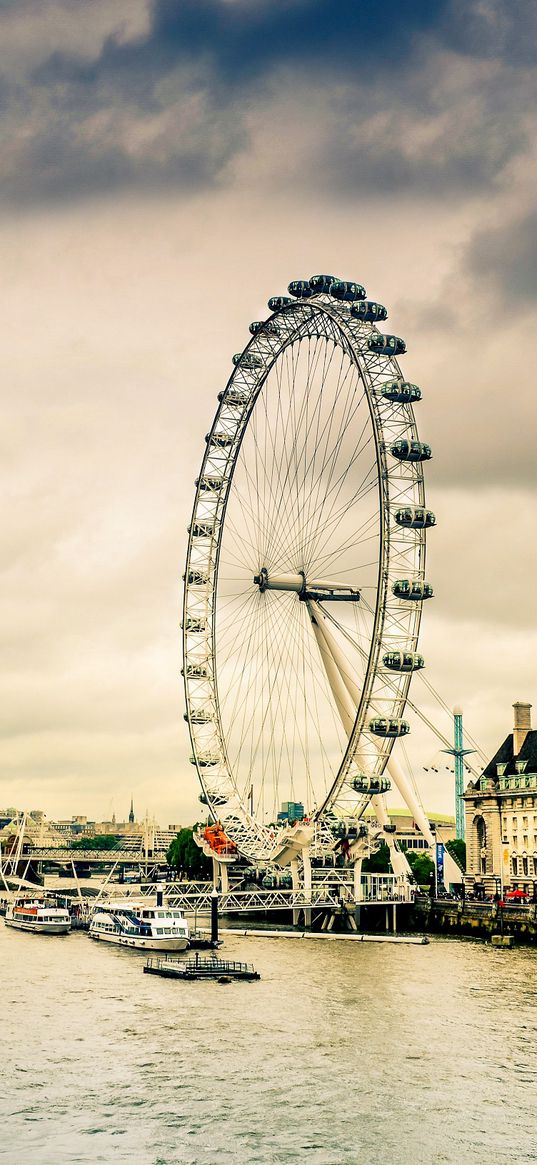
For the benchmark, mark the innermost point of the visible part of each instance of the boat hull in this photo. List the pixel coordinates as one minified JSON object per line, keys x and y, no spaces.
{"x":39,"y":927}
{"x":141,"y":944}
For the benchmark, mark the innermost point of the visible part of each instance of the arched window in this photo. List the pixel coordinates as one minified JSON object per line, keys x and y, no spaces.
{"x":481,"y":844}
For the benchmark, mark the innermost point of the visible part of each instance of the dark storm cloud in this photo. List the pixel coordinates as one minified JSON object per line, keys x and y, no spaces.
{"x":168,"y":108}
{"x":493,"y":28}
{"x":506,"y":258}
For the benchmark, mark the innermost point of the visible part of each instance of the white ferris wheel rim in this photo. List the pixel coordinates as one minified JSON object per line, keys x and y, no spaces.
{"x":401,"y":554}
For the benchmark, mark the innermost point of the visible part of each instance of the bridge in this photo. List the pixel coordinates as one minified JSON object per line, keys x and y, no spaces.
{"x":331,"y":888}
{"x":65,"y":856}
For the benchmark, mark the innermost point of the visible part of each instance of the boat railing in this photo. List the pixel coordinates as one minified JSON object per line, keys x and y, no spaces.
{"x":199,"y":966}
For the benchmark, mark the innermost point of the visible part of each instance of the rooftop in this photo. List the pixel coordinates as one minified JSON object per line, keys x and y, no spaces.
{"x":506,"y":756}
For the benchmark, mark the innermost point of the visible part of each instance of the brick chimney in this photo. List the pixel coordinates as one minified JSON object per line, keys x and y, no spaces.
{"x":522,"y":725}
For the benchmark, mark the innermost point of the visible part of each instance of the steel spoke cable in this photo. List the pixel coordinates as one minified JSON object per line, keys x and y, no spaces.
{"x":329,"y":453}
{"x":334,"y":521}
{"x":331,"y":495}
{"x":333,"y":492}
{"x":286,"y":495}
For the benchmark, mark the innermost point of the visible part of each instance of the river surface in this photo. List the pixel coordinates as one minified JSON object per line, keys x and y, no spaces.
{"x":343,"y":1054}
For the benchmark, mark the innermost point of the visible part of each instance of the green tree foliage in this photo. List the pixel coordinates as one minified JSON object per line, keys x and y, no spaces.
{"x":421,"y":865}
{"x":187,"y":858}
{"x":378,"y":863}
{"x":457,"y":849}
{"x":102,"y":841}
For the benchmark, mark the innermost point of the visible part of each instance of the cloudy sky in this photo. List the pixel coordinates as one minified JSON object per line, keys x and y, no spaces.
{"x":166,"y":166}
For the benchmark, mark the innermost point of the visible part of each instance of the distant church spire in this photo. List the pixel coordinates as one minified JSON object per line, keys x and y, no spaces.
{"x":131,"y":813}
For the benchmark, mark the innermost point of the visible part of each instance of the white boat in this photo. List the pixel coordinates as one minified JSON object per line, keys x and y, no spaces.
{"x":140,"y":925}
{"x":39,"y":916}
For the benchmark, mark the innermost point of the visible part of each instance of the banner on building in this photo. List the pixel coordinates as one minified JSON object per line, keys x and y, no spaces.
{"x":440,"y":863}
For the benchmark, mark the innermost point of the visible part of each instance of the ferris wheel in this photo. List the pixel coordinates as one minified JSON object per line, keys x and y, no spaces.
{"x":305,"y":572}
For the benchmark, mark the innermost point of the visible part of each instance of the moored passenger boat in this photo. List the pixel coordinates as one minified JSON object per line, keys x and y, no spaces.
{"x":39,"y":916}
{"x":140,"y":926}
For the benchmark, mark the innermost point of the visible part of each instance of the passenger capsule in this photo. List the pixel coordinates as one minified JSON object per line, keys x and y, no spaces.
{"x":301,"y":289}
{"x":209,"y":484}
{"x":247,"y":360}
{"x":415,"y":589}
{"x":193,"y":623}
{"x":372,"y":785}
{"x":401,"y":392}
{"x":386,"y":345}
{"x":403,"y":661}
{"x":321,"y":284}
{"x":201,"y":529}
{"x":197,"y":578}
{"x":234,"y":396}
{"x":415,"y":518}
{"x":263,"y":326}
{"x":199,"y":717}
{"x":368,"y":311}
{"x":344,"y":289}
{"x":276,"y":302}
{"x":206,"y":761}
{"x":411,"y":450}
{"x":196,"y":671}
{"x":216,"y":799}
{"x":221,"y":440}
{"x":389,"y":728}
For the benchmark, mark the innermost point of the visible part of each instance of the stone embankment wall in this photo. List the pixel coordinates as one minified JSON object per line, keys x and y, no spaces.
{"x":478,"y":919}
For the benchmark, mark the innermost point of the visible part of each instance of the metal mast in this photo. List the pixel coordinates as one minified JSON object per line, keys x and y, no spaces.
{"x":458,"y":752}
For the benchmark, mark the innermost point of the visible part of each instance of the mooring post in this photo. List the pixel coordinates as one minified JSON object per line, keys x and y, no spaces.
{"x":214,"y":916}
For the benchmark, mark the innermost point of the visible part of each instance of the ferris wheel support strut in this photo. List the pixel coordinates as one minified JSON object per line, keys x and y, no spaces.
{"x":347,"y":696}
{"x":395,"y":771}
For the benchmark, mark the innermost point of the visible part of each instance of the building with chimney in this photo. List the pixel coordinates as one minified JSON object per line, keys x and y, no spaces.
{"x":501,"y":813}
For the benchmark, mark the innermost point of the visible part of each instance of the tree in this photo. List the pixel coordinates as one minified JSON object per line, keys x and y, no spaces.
{"x":457,"y":849}
{"x":187,"y":858}
{"x":102,"y":841}
{"x":379,"y":862}
{"x":421,"y":865}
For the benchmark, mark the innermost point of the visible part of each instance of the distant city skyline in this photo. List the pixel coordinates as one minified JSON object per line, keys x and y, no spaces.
{"x":173,"y":166}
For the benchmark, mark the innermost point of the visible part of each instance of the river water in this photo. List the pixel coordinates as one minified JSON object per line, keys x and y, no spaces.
{"x":344,"y":1054}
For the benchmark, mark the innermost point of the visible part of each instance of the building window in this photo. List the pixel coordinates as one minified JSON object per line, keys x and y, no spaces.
{"x":482,"y":844}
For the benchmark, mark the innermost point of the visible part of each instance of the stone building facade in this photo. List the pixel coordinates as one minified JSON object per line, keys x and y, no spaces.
{"x":501,"y":813}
